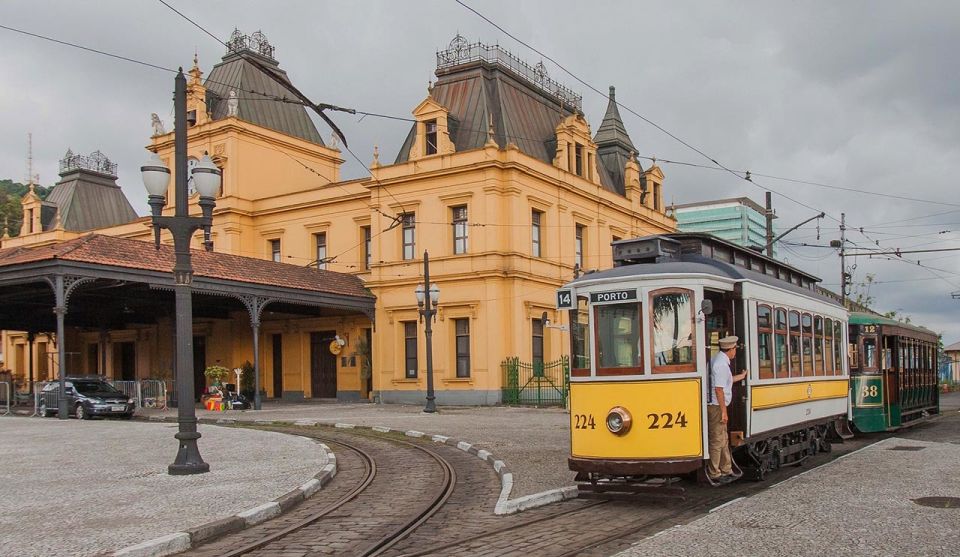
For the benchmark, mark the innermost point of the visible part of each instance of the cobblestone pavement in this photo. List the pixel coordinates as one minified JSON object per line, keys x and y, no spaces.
{"x":87,"y":487}
{"x":533,"y":442}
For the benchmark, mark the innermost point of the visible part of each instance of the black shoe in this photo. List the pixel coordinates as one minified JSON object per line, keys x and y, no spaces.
{"x":727,"y":479}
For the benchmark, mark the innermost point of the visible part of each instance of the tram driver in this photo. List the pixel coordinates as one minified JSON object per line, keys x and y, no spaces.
{"x":720,"y":466}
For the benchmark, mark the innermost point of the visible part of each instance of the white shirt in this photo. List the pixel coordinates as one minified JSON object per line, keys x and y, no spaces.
{"x":721,"y":376}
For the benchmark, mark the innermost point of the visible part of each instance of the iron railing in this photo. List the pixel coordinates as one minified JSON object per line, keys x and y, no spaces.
{"x":6,"y":392}
{"x":146,"y":393}
{"x":537,"y":383}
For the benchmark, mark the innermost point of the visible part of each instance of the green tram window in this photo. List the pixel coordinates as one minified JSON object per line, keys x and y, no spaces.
{"x":618,"y":339}
{"x":580,"y":339}
{"x":673,"y":331}
{"x":869,"y":353}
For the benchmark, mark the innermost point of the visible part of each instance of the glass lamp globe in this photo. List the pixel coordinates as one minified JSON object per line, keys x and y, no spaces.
{"x":206,"y":177}
{"x":419,"y":293}
{"x":434,"y":293}
{"x":156,"y":176}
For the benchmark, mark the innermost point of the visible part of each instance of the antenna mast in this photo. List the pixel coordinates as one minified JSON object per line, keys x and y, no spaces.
{"x":31,"y":177}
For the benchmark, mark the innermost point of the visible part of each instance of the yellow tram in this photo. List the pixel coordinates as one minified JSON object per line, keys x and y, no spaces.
{"x":643,"y":333}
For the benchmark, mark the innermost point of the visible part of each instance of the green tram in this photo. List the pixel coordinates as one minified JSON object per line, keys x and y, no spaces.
{"x":893,"y":374}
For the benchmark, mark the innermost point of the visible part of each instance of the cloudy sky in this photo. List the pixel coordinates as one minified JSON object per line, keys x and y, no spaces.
{"x":858,"y":95}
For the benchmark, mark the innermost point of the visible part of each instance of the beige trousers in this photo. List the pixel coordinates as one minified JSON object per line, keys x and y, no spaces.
{"x":720,"y":463}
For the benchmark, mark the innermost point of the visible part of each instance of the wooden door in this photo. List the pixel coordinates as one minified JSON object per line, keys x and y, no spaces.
{"x":323,"y":365}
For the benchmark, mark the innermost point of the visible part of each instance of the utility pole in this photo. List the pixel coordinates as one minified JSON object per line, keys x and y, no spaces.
{"x":843,"y":266}
{"x":769,"y":215}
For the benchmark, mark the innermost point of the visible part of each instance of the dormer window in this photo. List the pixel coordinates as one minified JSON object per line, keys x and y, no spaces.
{"x":431,"y":137}
{"x":578,"y":157}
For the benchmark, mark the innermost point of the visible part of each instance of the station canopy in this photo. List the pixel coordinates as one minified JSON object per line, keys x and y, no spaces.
{"x":115,"y":283}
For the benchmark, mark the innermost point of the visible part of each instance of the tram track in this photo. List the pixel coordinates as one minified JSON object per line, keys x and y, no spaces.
{"x":313,"y":528}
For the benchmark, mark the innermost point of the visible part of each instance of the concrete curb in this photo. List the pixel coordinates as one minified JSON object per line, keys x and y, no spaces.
{"x":182,"y":541}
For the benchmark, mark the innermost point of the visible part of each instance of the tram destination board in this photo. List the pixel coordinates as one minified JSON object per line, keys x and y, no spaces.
{"x":613,"y":296}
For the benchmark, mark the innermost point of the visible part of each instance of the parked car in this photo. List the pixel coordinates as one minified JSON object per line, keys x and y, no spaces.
{"x":87,"y":397}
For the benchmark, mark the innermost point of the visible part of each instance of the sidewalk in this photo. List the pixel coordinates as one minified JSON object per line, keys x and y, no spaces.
{"x":534,"y":443}
{"x":86,"y":488}
{"x":864,"y":503}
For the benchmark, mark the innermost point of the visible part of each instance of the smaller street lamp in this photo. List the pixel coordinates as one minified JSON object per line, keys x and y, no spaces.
{"x":428,"y":295}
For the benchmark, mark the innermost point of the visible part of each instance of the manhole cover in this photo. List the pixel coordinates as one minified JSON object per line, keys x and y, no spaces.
{"x":939,"y":502}
{"x":906,"y":448}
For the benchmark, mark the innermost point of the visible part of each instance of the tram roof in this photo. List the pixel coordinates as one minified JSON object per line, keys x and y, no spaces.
{"x":860,"y":318}
{"x":704,"y":254}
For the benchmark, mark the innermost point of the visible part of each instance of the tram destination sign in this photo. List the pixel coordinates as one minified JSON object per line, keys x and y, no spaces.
{"x":613,"y":296}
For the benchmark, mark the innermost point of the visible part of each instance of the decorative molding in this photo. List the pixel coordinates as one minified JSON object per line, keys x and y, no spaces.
{"x":457,"y":197}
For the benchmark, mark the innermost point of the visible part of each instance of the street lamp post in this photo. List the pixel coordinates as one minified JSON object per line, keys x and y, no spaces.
{"x":206,"y":178}
{"x":427,"y":297}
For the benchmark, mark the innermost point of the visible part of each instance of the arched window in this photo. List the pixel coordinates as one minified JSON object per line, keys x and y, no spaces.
{"x":765,"y":341}
{"x":796,"y":369}
{"x":807,"y":325}
{"x":673,"y":331}
{"x":781,"y":355}
{"x":818,"y":345}
{"x":828,"y":346}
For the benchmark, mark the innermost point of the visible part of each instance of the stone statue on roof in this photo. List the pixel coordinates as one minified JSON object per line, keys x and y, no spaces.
{"x":158,"y":128}
{"x":233,"y":104}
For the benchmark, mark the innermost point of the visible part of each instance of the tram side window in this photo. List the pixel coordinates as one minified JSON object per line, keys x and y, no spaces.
{"x":838,"y":347}
{"x":580,"y":338}
{"x":828,"y":346}
{"x":674,"y":345}
{"x":618,"y":337}
{"x":795,"y":368}
{"x":765,"y":341}
{"x":782,"y":366}
{"x":807,"y":323}
{"x":869,"y":353}
{"x":818,"y":345}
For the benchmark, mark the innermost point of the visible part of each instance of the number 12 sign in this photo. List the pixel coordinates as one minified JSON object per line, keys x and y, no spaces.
{"x":564,"y":299}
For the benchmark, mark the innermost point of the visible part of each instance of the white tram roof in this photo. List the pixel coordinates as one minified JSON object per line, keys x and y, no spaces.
{"x":703,"y":254}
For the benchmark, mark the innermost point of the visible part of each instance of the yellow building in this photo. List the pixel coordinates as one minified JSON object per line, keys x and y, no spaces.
{"x":500,"y":179}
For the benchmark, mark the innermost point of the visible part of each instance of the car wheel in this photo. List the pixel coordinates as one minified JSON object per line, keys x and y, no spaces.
{"x":81,"y":413}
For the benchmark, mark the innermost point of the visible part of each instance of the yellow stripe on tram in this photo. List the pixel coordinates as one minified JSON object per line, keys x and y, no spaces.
{"x":785,"y":394}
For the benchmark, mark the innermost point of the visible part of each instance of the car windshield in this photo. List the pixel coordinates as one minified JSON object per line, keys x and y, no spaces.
{"x":86,"y":387}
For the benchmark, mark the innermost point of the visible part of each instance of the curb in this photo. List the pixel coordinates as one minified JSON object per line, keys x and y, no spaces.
{"x":504,"y":505}
{"x":182,"y":541}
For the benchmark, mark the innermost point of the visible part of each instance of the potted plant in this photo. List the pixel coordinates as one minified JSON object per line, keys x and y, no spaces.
{"x":216,"y":374}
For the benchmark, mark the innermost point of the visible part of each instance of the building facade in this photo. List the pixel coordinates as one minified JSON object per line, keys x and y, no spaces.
{"x":739,"y":220}
{"x":500,"y":179}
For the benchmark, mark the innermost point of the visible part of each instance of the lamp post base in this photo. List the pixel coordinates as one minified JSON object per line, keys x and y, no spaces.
{"x":431,"y":406}
{"x":188,"y":459}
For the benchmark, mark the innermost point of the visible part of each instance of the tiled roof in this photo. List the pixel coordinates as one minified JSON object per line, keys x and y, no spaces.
{"x":134,"y":254}
{"x":955,"y":347}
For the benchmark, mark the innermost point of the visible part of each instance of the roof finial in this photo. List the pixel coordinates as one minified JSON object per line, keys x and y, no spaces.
{"x":376,"y":157}
{"x":613,"y":94}
{"x":57,"y":223}
{"x":430,"y":88}
{"x":491,"y":141}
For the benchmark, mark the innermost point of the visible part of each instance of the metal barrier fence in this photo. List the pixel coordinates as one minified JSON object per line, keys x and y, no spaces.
{"x":6,"y":392}
{"x":539,"y":383}
{"x":48,"y":401}
{"x":153,"y":394}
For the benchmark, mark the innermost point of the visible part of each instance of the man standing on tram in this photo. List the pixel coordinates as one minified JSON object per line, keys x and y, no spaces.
{"x":720,"y":466}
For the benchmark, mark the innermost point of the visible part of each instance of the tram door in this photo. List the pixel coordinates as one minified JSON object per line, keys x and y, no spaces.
{"x":727,"y":319}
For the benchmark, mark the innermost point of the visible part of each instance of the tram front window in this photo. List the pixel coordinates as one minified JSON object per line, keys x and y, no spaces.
{"x":673,"y":330}
{"x":618,"y":336}
{"x":581,"y":341}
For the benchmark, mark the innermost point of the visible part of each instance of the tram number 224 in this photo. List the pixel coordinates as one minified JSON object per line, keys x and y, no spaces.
{"x":657,"y":421}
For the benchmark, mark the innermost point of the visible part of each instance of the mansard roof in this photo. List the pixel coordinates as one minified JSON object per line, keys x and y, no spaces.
{"x":478,"y":82}
{"x":257,"y":94}
{"x":87,"y":195}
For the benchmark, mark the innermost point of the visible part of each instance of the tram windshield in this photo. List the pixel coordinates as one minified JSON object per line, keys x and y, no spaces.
{"x":579,"y":328}
{"x":618,"y":335}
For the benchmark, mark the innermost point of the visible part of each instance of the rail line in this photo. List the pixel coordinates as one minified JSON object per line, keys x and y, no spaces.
{"x":387,"y":541}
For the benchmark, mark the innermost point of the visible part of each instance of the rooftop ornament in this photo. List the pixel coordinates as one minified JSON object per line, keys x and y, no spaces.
{"x":96,"y":162}
{"x":256,"y":42}
{"x":459,"y":52}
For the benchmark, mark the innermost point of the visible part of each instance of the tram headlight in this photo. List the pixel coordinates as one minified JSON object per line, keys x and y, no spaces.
{"x":619,"y":420}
